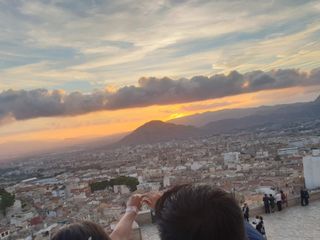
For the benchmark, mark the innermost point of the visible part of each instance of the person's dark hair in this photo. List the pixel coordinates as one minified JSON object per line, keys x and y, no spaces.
{"x":201,"y":212}
{"x":81,"y":231}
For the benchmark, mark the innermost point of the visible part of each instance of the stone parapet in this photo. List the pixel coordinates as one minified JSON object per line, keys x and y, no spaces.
{"x":293,"y":201}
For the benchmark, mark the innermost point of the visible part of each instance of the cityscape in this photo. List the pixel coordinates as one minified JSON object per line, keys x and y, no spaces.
{"x":57,"y":188}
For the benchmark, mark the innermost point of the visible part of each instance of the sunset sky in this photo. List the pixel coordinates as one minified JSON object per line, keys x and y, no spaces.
{"x":91,"y":68}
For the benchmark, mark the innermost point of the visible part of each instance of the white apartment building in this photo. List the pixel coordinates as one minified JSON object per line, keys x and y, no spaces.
{"x":311,"y":169}
{"x":231,"y":157}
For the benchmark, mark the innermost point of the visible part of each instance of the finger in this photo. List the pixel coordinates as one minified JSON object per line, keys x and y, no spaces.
{"x":137,"y":196}
{"x":147,"y":201}
{"x":147,"y":198}
{"x":148,"y":194}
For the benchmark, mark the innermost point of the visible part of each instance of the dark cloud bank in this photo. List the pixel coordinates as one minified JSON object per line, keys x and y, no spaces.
{"x":22,"y":104}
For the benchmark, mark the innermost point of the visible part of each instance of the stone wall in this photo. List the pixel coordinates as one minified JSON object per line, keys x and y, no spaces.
{"x":144,"y":217}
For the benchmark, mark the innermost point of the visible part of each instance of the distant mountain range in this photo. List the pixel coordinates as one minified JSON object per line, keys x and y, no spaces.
{"x":227,"y":121}
{"x":202,"y":119}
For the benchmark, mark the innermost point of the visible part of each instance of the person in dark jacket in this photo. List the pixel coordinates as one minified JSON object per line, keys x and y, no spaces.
{"x":306,"y":197}
{"x":266,"y":203}
{"x":272,"y":201}
{"x":302,"y":198}
{"x":245,"y":211}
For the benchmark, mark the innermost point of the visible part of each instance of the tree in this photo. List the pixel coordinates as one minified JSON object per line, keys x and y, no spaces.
{"x":130,"y":182}
{"x":277,"y":158}
{"x":6,"y":200}
{"x":96,"y":186}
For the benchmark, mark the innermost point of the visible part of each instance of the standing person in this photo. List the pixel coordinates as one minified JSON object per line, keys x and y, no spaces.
{"x":306,"y":197}
{"x":266,"y":203}
{"x":272,"y":202}
{"x":284,"y":199}
{"x":245,"y":211}
{"x":279,"y":201}
{"x":302,"y":198}
{"x":153,"y":215}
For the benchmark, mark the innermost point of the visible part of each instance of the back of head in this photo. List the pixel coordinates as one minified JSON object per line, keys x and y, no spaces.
{"x":199,"y":212}
{"x":81,"y":231}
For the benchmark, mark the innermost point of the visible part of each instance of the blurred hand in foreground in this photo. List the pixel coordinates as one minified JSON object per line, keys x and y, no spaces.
{"x":135,"y":201}
{"x":151,"y":198}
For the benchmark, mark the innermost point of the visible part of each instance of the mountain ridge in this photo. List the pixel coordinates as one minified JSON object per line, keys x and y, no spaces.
{"x":202,"y":119}
{"x":273,"y":118}
{"x":158,"y":131}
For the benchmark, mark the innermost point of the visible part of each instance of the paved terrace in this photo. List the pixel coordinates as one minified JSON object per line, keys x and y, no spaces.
{"x":293,"y":223}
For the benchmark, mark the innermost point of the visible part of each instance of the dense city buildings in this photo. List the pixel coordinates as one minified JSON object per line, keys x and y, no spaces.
{"x":53,"y":189}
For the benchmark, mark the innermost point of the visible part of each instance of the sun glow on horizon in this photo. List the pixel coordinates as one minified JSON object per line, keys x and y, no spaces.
{"x":176,"y":115}
{"x":105,"y":123}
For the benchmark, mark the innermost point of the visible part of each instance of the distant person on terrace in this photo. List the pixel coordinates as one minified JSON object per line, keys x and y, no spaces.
{"x":266,"y":203}
{"x":279,"y":201}
{"x":272,"y":201}
{"x":245,"y":211}
{"x":284,"y":199}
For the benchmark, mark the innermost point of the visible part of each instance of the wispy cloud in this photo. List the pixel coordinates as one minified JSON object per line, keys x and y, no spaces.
{"x":24,"y":104}
{"x":119,"y":41}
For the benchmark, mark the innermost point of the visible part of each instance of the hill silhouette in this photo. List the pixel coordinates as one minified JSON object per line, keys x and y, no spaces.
{"x":274,"y":118}
{"x":158,"y":131}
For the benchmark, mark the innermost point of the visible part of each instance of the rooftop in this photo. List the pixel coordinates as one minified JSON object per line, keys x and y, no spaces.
{"x":294,"y":223}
